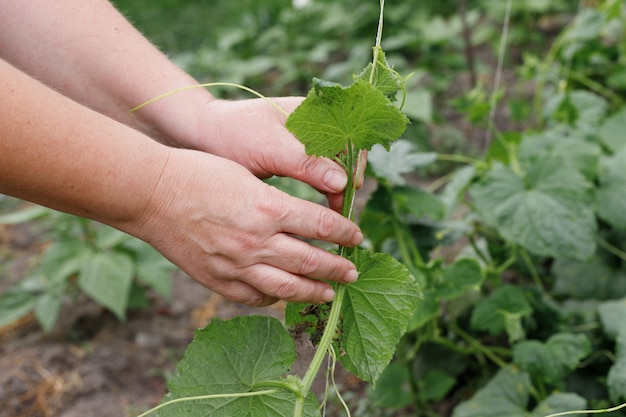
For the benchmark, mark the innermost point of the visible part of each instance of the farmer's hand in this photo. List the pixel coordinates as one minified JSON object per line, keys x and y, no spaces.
{"x":252,"y":133}
{"x":238,"y":236}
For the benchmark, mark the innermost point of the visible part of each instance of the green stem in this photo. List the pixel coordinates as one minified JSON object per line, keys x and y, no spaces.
{"x":209,"y":397}
{"x":612,"y":249}
{"x":480,"y":348}
{"x":460,"y":158}
{"x":325,"y":342}
{"x":531,"y":267}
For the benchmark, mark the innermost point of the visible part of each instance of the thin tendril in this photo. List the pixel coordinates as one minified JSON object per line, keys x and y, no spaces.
{"x":605,"y":410}
{"x":207,"y":85}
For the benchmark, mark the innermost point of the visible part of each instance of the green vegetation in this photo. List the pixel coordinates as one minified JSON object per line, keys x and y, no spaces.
{"x":514,"y":229}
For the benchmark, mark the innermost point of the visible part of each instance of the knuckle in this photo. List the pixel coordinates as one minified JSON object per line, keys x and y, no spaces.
{"x":287,"y":289}
{"x":311,"y":263}
{"x":326,"y":224}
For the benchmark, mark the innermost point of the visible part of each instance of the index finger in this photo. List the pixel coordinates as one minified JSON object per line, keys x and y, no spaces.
{"x":310,"y":220}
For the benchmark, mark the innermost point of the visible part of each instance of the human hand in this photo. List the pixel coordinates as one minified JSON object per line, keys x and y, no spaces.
{"x":239,"y":237}
{"x":252,"y":133}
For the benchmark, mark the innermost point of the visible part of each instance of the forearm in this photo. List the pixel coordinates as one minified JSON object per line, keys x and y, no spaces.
{"x":58,"y":153}
{"x":89,"y":52}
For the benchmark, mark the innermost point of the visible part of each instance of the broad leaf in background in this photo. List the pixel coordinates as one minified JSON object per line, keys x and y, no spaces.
{"x":612,"y":190}
{"x":333,"y":116}
{"x":107,"y":278}
{"x":612,"y":315}
{"x":375,"y":313}
{"x":402,"y":158}
{"x":458,"y":278}
{"x":235,"y":356}
{"x":570,"y":145}
{"x":508,"y":393}
{"x":549,"y":211}
{"x":616,"y":378}
{"x":554,"y":360}
{"x":502,"y":311}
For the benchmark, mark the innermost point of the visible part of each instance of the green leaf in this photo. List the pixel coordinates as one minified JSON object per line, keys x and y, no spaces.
{"x":594,"y":279}
{"x":235,"y":356}
{"x":16,"y":303}
{"x":505,"y":395}
{"x":392,"y":388}
{"x":502,"y":311}
{"x":612,"y":130}
{"x":435,"y":385}
{"x":612,"y":189}
{"x":572,"y":147}
{"x":454,"y":190}
{"x":612,"y":315}
{"x":425,"y":312}
{"x":385,"y":79}
{"x":402,"y":158}
{"x":458,"y":278}
{"x":107,"y":278}
{"x":559,"y":402}
{"x":554,"y":360}
{"x":418,"y":105}
{"x":549,"y":211}
{"x":331,"y":117}
{"x":616,"y":378}
{"x":24,"y":215}
{"x":375,"y":313}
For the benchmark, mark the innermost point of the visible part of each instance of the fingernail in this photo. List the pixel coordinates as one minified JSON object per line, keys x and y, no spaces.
{"x":358,"y":238}
{"x":328,"y":295}
{"x":351,"y":276}
{"x":335,"y":180}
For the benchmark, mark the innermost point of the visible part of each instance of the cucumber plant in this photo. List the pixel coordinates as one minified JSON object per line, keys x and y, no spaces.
{"x":238,"y":367}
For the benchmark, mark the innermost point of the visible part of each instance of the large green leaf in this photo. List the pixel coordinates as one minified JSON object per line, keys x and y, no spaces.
{"x":612,"y":189}
{"x":333,"y":116}
{"x":402,"y":158}
{"x":107,"y":278}
{"x":549,"y":211}
{"x":236,"y":356}
{"x":553,"y":360}
{"x":569,"y":145}
{"x":458,"y":278}
{"x":375,"y":313}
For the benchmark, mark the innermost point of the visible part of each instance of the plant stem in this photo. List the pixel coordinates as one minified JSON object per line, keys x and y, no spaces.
{"x":325,"y":342}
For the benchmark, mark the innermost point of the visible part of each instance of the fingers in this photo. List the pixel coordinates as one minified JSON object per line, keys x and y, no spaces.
{"x":310,"y":220}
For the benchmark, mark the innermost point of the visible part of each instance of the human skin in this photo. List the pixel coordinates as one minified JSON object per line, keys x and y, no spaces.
{"x":71,"y":73}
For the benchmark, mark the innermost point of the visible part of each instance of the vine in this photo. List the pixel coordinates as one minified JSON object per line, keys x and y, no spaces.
{"x":365,"y":320}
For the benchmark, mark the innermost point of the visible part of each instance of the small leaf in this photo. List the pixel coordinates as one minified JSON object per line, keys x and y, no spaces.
{"x":385,"y":79}
{"x":235,"y":356}
{"x":458,"y":278}
{"x":616,"y":378}
{"x":331,"y":117}
{"x":375,"y":313}
{"x":550,"y":211}
{"x":16,"y":303}
{"x":612,"y":315}
{"x":435,"y":385}
{"x":555,"y":359}
{"x":25,"y":215}
{"x":502,"y":311}
{"x":107,"y":278}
